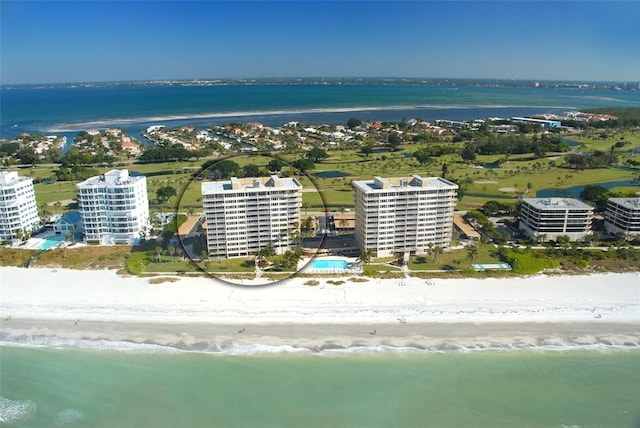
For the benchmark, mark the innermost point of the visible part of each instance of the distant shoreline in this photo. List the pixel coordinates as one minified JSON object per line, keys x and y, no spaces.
{"x":406,"y":81}
{"x":71,"y":127}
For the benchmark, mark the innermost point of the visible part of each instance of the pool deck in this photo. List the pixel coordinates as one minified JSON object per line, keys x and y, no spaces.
{"x":306,"y":266}
{"x":36,"y":243}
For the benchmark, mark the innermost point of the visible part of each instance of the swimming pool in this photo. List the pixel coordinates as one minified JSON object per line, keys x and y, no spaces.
{"x":330,"y":264}
{"x":50,"y":242}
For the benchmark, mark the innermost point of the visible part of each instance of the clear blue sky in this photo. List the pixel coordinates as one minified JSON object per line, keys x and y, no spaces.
{"x":57,"y":41}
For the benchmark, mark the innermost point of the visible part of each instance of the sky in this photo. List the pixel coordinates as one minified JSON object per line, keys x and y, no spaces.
{"x":93,"y":41}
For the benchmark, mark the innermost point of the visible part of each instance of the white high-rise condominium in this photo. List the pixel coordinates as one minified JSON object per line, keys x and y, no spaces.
{"x":18,"y":208}
{"x":114,"y":207}
{"x":245,"y":215}
{"x":404,"y":215}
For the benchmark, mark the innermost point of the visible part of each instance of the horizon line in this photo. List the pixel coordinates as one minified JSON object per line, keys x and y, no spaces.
{"x":304,"y":79}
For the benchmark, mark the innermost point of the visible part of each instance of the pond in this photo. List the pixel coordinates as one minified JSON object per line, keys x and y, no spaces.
{"x":575,"y":190}
{"x":570,"y":143}
{"x":492,"y":165}
{"x":330,"y":174}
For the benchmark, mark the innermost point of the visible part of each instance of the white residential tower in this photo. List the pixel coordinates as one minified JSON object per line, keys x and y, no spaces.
{"x":18,"y":208}
{"x":114,"y":207}
{"x":244,"y":215}
{"x":404,"y":215}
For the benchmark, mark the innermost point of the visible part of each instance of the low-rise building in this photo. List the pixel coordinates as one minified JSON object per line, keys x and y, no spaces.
{"x":18,"y":208}
{"x":68,"y":222}
{"x":245,"y":215}
{"x":404,"y":215}
{"x":623,"y":216}
{"x":548,"y":218}
{"x":114,"y":207}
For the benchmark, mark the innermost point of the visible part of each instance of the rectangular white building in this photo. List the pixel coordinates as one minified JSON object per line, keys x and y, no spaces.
{"x":623,"y":216}
{"x":114,"y":207}
{"x":244,"y":215}
{"x":554,"y":217}
{"x":18,"y":208}
{"x":404,"y":215}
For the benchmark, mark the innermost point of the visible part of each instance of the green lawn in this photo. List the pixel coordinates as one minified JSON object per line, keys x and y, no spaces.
{"x":457,"y":259}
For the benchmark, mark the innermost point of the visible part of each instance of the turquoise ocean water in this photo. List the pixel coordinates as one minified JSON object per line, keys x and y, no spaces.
{"x":88,"y":388}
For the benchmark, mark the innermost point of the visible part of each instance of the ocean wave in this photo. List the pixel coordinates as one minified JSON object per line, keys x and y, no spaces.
{"x":76,"y":126}
{"x":15,"y":410}
{"x":67,"y":417}
{"x":342,"y":346}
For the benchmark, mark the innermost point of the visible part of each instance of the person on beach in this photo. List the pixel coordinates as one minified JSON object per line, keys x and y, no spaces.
{"x":242,"y":330}
{"x":373,"y":332}
{"x":77,"y":322}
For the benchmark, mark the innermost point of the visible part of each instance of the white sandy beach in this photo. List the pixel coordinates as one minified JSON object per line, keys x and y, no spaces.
{"x":425,"y":314}
{"x":105,"y":296}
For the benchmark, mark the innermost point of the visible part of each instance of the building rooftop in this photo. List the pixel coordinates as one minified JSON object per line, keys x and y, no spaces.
{"x":9,"y":178}
{"x":415,"y":181}
{"x":115,"y":177}
{"x":250,"y":184}
{"x":630,"y":203}
{"x":556,"y":203}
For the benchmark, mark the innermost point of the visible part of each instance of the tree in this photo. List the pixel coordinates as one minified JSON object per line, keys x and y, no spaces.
{"x":275,"y":165}
{"x":423,"y":155}
{"x":437,"y":252}
{"x":317,"y":154}
{"x":366,"y":256}
{"x":251,"y":170}
{"x":163,"y":194}
{"x":472,"y":253}
{"x":222,"y":169}
{"x":353,"y":123}
{"x":306,"y":205}
{"x":394,"y":141}
{"x":564,"y":241}
{"x":597,"y":195}
{"x":445,"y":170}
{"x":27,"y":156}
{"x":469,"y":152}
{"x":303,"y":164}
{"x":158,"y":253}
{"x":367,"y":149}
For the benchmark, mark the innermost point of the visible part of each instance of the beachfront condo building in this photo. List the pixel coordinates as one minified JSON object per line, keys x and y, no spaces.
{"x":245,"y":215}
{"x":623,"y":216}
{"x":114,"y":207}
{"x":18,"y":208}
{"x":547,"y":218}
{"x":404,"y":215}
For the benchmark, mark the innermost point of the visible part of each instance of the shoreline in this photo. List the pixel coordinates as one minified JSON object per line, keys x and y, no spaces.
{"x":77,"y":126}
{"x":40,"y":307}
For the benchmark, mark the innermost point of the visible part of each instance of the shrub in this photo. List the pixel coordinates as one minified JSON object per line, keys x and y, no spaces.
{"x":527,"y":263}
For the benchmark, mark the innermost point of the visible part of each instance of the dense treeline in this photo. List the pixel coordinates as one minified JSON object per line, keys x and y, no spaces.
{"x":628,"y":117}
{"x":519,"y":144}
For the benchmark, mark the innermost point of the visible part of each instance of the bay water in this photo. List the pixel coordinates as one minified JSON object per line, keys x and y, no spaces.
{"x":106,"y":388}
{"x":133,"y":107}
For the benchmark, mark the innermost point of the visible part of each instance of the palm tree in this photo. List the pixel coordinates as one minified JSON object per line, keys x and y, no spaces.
{"x":437,"y":252}
{"x":366,"y":256}
{"x":472,"y":252}
{"x":306,"y":205}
